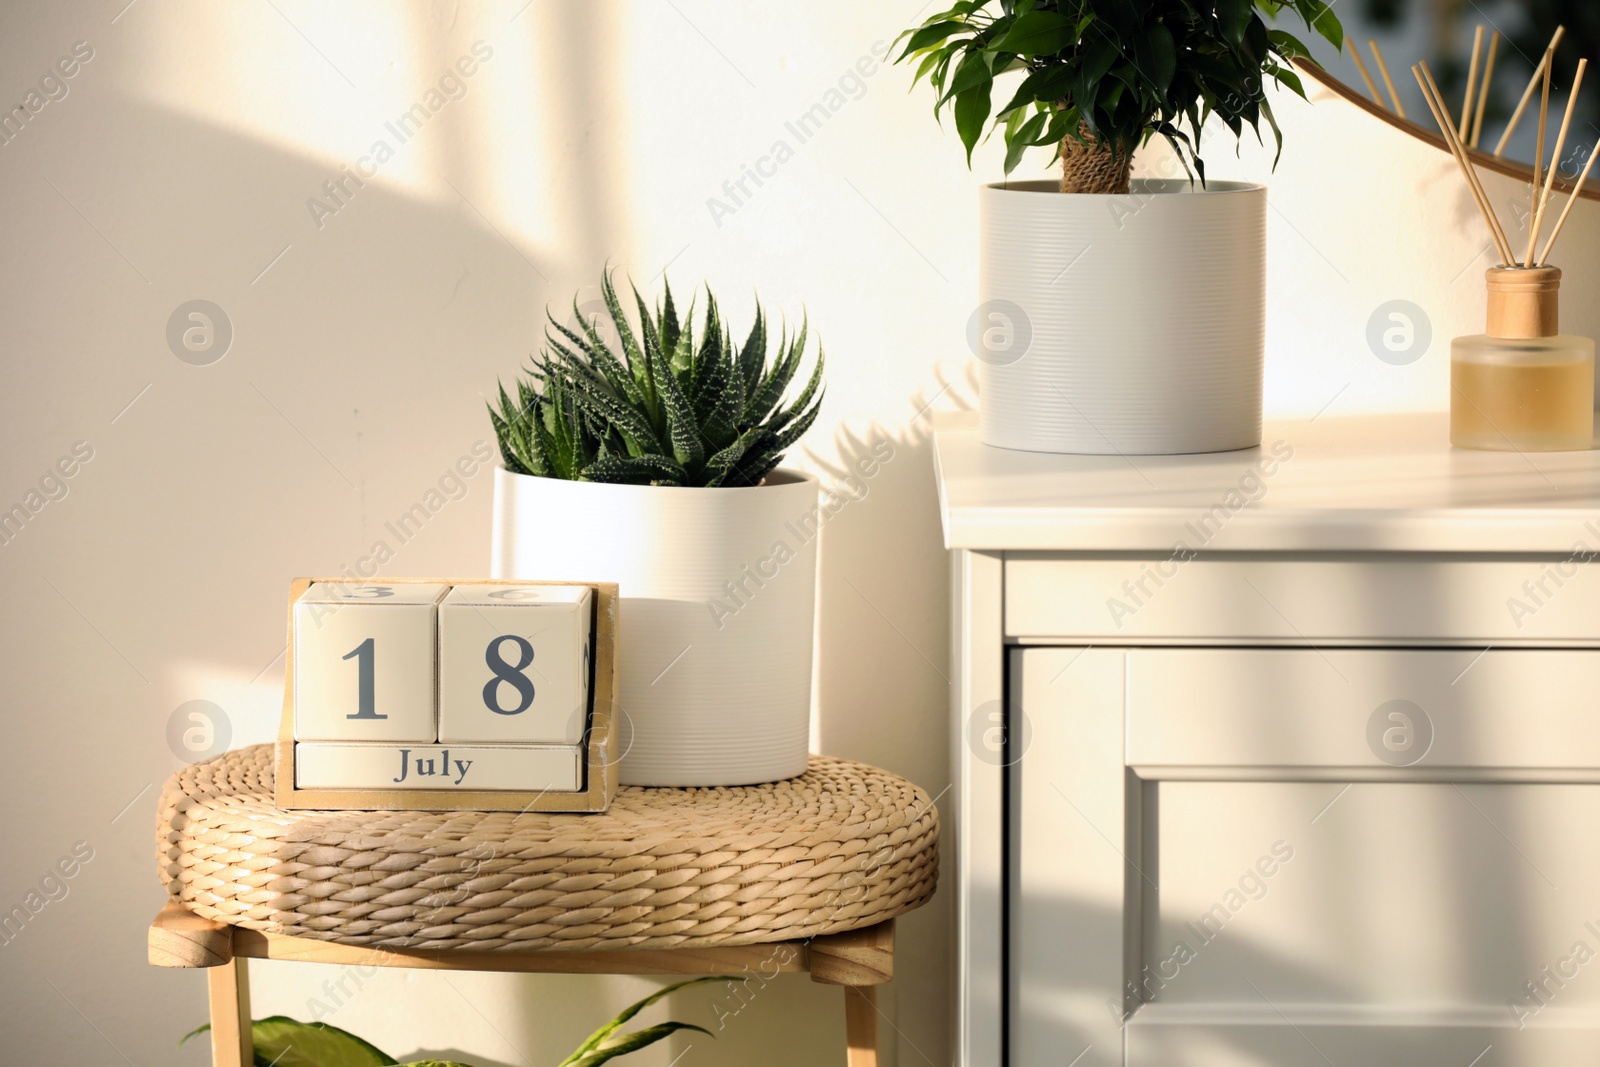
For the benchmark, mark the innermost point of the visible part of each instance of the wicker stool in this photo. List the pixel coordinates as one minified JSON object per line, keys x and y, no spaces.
{"x":803,"y":875}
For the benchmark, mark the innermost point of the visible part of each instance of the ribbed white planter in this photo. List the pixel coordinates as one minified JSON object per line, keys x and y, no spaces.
{"x":1121,"y":324}
{"x":715,"y":630}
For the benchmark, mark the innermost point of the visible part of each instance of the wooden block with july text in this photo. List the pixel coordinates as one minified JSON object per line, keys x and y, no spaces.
{"x":466,"y":768}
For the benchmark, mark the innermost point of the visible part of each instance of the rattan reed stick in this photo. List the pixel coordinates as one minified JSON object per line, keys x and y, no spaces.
{"x":1472,"y":83}
{"x":1544,"y":257}
{"x":1361,"y":67}
{"x":1483,"y":90}
{"x":1441,"y":115}
{"x":1383,"y":69}
{"x":1544,"y":122}
{"x":1555,"y":161}
{"x":1527,"y":94}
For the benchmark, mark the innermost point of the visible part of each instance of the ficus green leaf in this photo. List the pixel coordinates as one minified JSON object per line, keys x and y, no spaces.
{"x":930,"y":34}
{"x":1234,"y":16}
{"x":971,"y":71}
{"x":1160,"y":56}
{"x":972,"y":112}
{"x":1126,"y":71}
{"x":1038,"y":33}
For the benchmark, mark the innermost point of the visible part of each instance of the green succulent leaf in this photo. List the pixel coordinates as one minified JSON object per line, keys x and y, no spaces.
{"x":794,"y":432}
{"x":669,"y":319}
{"x":812,"y":389}
{"x":682,"y":430}
{"x":726,"y":462}
{"x":605,"y":409}
{"x":653,"y":407}
{"x":753,"y":354}
{"x":720,"y":401}
{"x":599,"y":356}
{"x":760,"y":406}
{"x":635,"y":358}
{"x":633,"y":470}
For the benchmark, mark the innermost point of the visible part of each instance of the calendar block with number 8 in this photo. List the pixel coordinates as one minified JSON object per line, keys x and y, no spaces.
{"x":514,"y":663}
{"x":364,"y":662}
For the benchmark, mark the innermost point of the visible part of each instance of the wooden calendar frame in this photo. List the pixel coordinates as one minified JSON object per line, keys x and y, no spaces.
{"x":600,"y":753}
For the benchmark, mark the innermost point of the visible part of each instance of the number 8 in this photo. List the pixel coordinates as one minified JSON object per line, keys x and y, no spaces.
{"x":504,"y":670}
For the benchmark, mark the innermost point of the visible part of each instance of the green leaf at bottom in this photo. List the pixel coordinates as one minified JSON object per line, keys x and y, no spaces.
{"x":284,"y":1042}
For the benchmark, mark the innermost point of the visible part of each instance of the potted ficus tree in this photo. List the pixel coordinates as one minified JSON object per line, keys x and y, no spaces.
{"x":636,"y":453}
{"x":1116,"y":315}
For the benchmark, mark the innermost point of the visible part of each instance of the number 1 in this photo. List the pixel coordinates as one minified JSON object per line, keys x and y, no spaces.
{"x":363,"y":656}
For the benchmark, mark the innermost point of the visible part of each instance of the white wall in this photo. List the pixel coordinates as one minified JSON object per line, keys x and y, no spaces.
{"x":179,"y":166}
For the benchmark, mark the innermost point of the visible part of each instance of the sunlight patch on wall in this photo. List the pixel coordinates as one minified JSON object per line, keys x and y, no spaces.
{"x":415,"y":101}
{"x":246,"y":709}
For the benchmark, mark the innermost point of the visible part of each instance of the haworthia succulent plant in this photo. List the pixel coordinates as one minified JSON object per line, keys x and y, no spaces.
{"x":659,"y":409}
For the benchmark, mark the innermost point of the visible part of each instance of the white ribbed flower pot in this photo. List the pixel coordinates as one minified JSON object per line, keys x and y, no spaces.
{"x":715,"y":631}
{"x":1121,"y":324}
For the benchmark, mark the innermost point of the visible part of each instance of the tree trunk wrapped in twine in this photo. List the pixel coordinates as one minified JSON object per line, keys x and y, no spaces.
{"x":1093,"y":165}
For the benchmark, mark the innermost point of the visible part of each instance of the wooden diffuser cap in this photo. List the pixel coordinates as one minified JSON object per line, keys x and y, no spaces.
{"x":1524,"y":302}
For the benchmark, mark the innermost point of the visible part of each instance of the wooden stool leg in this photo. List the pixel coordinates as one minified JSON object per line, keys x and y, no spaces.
{"x":229,"y":986}
{"x":861,"y":1025}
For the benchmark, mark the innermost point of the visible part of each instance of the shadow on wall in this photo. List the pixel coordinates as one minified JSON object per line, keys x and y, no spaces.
{"x":883,"y":689}
{"x":336,"y":363}
{"x":339,"y":400}
{"x":359,"y":350}
{"x":337,"y":405}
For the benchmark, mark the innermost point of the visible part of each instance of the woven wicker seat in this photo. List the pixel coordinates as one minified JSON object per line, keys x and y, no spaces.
{"x":799,"y":876}
{"x":842,"y":847}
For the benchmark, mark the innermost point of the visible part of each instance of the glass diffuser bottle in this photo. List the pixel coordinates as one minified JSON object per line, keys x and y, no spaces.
{"x":1522,"y":386}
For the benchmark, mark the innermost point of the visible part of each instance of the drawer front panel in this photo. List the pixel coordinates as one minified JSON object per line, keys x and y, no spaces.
{"x":1215,"y":860}
{"x":1399,"y":895}
{"x":1290,"y":1040}
{"x":1239,"y":599}
{"x":1383,"y":922}
{"x":1463,"y":715}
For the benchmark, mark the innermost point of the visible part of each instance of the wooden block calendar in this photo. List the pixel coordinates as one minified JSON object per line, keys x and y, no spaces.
{"x":440,"y":695}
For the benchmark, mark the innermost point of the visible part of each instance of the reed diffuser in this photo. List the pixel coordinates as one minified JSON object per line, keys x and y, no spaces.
{"x":1522,"y":385}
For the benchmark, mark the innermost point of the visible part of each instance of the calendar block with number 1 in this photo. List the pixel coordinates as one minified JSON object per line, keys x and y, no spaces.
{"x":364,"y":662}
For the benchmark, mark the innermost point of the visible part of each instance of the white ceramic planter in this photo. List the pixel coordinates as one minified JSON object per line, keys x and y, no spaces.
{"x":1121,"y":324}
{"x":717,"y":600}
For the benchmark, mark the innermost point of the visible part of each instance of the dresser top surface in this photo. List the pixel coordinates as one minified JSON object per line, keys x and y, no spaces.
{"x":1378,"y":483}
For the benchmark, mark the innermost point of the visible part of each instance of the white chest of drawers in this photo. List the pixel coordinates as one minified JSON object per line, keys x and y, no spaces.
{"x":1289,"y":756}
